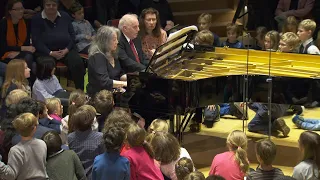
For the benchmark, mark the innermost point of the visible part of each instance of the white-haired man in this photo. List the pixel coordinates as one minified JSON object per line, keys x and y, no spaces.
{"x":130,"y":52}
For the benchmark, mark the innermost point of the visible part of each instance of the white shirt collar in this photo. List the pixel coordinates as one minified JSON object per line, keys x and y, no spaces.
{"x":128,"y":39}
{"x":307,"y":42}
{"x":44,"y":15}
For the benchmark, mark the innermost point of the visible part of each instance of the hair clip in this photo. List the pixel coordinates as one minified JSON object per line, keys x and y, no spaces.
{"x":73,"y":103}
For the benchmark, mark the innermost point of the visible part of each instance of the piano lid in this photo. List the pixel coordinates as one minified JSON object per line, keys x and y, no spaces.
{"x":171,"y":51}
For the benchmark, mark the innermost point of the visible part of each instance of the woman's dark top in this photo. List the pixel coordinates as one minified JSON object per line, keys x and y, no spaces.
{"x":101,"y":73}
{"x":3,"y":36}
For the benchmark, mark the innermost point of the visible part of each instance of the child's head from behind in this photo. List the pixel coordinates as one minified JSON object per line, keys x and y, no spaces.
{"x":43,"y":111}
{"x":45,"y":67}
{"x":54,"y":106}
{"x":237,"y":142}
{"x":306,"y":29}
{"x":113,"y":139}
{"x":118,"y":118}
{"x":77,"y":99}
{"x":233,"y":32}
{"x":288,"y":42}
{"x":309,"y":145}
{"x":165,"y":146}
{"x":196,"y":175}
{"x":158,"y":125}
{"x":204,"y":21}
{"x":136,"y":138}
{"x":15,"y":96}
{"x":77,"y":11}
{"x":266,"y":151}
{"x":83,"y":118}
{"x":215,"y":177}
{"x":290,"y":25}
{"x":25,"y":124}
{"x":53,"y":142}
{"x":183,"y":167}
{"x":271,"y":40}
{"x":261,"y":32}
{"x":204,"y":37}
{"x":103,"y":102}
{"x":28,"y":105}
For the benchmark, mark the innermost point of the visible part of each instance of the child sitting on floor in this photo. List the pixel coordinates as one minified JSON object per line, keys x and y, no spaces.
{"x":183,"y":167}
{"x":271,"y":41}
{"x":55,"y":108}
{"x":289,"y":42}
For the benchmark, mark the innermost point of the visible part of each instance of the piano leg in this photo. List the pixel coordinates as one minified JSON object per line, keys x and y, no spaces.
{"x":182,"y":123}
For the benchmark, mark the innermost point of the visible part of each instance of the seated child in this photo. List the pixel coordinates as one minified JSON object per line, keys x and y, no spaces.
{"x":289,"y":42}
{"x":309,"y":167}
{"x":183,"y":167}
{"x":83,"y":30}
{"x":204,"y":37}
{"x":196,"y":175}
{"x":305,"y":32}
{"x":103,"y":102}
{"x":261,"y":33}
{"x":290,"y":25}
{"x":47,"y":121}
{"x":47,"y":85}
{"x":233,"y":164}
{"x":140,"y":156}
{"x":84,"y":141}
{"x":233,"y":32}
{"x":27,"y":159}
{"x":306,"y":123}
{"x":111,"y":165}
{"x":55,"y":108}
{"x":271,"y":41}
{"x":266,"y":152}
{"x":61,"y":164}
{"x":158,"y":125}
{"x":204,"y":23}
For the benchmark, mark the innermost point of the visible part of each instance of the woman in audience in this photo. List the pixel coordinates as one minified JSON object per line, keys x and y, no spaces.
{"x":184,"y":167}
{"x":104,"y":70}
{"x":140,"y":156}
{"x":85,"y":142}
{"x":233,"y":164}
{"x":151,"y":33}
{"x":17,"y":73}
{"x":47,"y":85}
{"x":309,"y":167}
{"x":271,"y":41}
{"x":61,"y":164}
{"x":15,"y":35}
{"x":290,"y":25}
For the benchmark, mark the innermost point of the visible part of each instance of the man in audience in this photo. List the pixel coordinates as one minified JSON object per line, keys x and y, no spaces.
{"x":28,"y":105}
{"x":53,"y":35}
{"x":131,"y":56}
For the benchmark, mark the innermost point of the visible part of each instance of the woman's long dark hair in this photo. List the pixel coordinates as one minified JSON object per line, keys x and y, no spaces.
{"x":157,"y":30}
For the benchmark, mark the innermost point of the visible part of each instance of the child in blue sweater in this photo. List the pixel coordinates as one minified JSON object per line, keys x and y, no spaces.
{"x":233,"y":32}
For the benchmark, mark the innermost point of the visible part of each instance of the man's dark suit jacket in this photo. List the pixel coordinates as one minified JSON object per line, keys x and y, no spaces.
{"x":126,"y":57}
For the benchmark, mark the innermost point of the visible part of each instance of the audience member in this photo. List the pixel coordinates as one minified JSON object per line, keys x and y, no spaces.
{"x":233,"y":32}
{"x":261,"y":33}
{"x":266,"y":152}
{"x":53,"y":35}
{"x":47,"y":84}
{"x":84,"y":32}
{"x":17,"y":73}
{"x":104,"y":69}
{"x":61,"y":164}
{"x":111,"y":165}
{"x":103,"y":102}
{"x":290,"y":25}
{"x":140,"y":155}
{"x":305,"y":32}
{"x":309,"y":146}
{"x":130,"y":52}
{"x":158,"y":125}
{"x":55,"y":108}
{"x":151,"y":33}
{"x":196,"y":175}
{"x":163,"y":7}
{"x":215,"y":177}
{"x":28,"y":105}
{"x":271,"y":41}
{"x":204,"y":37}
{"x":47,"y":121}
{"x":204,"y":23}
{"x":13,"y":98}
{"x":27,"y":159}
{"x":289,"y":42}
{"x":234,"y":163}
{"x":85,"y":142}
{"x":15,"y":35}
{"x":183,"y":167}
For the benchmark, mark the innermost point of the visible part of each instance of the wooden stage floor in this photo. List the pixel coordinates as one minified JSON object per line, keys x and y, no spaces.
{"x":226,"y":125}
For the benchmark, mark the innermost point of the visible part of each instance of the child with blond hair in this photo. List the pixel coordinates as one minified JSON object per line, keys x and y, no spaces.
{"x":204,"y":23}
{"x":305,"y":32}
{"x":158,"y":125}
{"x":289,"y":42}
{"x":271,"y":41}
{"x":55,"y":108}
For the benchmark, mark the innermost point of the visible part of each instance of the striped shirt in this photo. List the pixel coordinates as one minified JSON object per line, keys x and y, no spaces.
{"x":260,"y":174}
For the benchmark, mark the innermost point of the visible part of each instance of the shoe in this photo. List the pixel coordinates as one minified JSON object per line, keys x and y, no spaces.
{"x":297,"y":120}
{"x":280,"y":124}
{"x":240,"y":110}
{"x":297,"y":109}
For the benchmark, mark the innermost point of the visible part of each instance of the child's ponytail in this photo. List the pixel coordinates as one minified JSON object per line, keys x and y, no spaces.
{"x":147,"y":147}
{"x":242,"y":159}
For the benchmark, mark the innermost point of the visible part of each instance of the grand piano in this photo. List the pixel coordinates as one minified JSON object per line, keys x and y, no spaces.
{"x":181,"y":78}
